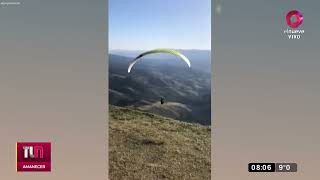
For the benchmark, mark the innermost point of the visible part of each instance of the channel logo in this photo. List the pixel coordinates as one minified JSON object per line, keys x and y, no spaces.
{"x":294,"y":18}
{"x":33,"y":156}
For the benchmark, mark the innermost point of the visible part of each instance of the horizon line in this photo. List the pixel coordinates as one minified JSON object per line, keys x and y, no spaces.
{"x":156,"y":48}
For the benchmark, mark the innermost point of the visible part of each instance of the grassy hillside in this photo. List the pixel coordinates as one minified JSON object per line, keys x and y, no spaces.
{"x":145,"y":146}
{"x":169,"y":109}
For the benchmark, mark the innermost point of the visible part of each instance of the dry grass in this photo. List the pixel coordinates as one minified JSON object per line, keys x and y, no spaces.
{"x":169,"y":109}
{"x":145,"y":146}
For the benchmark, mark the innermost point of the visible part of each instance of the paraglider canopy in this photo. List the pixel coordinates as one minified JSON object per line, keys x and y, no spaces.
{"x":168,"y":51}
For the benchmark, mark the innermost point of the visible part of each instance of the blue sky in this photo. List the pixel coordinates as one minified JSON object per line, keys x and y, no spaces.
{"x":148,"y":24}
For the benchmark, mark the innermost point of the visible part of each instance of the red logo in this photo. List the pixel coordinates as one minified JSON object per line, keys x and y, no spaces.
{"x":294,"y":18}
{"x":33,"y":156}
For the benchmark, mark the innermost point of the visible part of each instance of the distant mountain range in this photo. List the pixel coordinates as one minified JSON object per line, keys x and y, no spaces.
{"x":187,"y":91}
{"x":199,"y":58}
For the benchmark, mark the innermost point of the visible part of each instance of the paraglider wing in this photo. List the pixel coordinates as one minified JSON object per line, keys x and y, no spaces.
{"x":168,"y":51}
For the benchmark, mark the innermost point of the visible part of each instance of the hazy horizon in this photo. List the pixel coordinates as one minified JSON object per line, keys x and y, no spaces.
{"x":158,"y":48}
{"x":169,"y":25}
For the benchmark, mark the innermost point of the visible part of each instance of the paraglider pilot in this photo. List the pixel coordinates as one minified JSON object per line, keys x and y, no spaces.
{"x":162,"y":100}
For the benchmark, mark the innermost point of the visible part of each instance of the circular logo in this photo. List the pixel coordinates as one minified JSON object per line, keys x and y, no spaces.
{"x":294,"y":18}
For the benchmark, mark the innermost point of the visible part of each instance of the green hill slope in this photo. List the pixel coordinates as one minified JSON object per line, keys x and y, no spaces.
{"x":145,"y":146}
